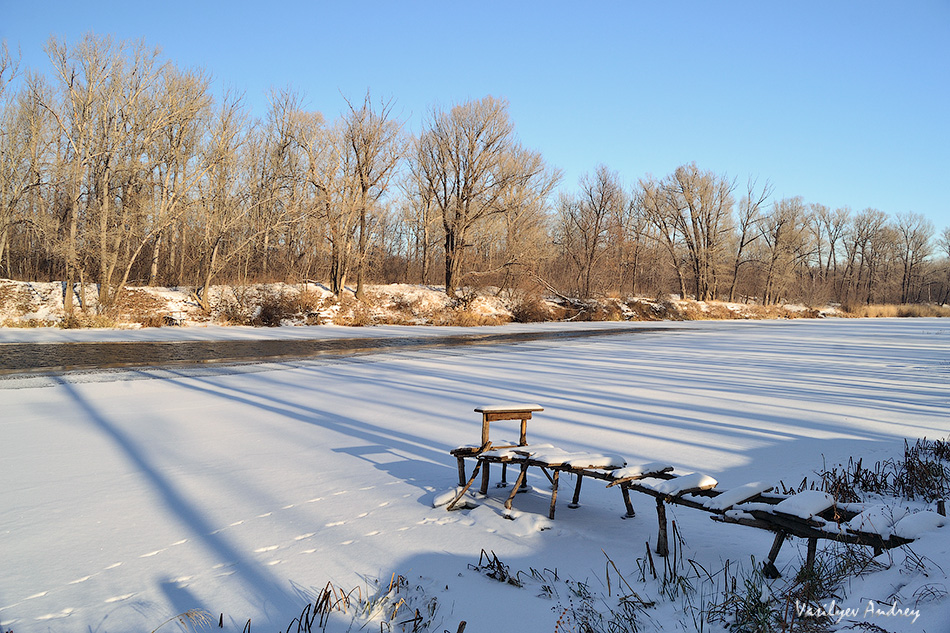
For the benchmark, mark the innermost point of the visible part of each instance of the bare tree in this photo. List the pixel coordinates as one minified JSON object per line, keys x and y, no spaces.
{"x":750,"y":215}
{"x":783,"y":231}
{"x":914,"y":233}
{"x":585,"y":221}
{"x":373,"y":141}
{"x":466,"y":161}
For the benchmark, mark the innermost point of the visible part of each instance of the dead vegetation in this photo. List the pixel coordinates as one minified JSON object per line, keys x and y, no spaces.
{"x":25,"y":304}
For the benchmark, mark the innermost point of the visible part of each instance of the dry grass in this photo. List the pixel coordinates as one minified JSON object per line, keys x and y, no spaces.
{"x":895,"y":310}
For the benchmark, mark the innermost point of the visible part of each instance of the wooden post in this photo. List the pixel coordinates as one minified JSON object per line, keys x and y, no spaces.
{"x":577,"y":492}
{"x":810,"y":556}
{"x":461,"y":470}
{"x":485,"y":475}
{"x":523,"y":440}
{"x":662,"y":549}
{"x":518,"y":482}
{"x":942,"y":507}
{"x":504,"y":476}
{"x":557,"y":475}
{"x":625,"y":490}
{"x":769,"y":570}
{"x":451,"y":506}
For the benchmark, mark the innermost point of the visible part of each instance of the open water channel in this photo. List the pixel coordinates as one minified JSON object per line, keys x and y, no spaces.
{"x":19,"y":358}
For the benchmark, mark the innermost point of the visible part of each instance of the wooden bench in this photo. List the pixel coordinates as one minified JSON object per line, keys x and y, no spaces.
{"x":495,"y":413}
{"x":810,"y":514}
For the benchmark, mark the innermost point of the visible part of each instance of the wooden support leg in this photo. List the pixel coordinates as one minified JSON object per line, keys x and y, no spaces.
{"x":662,"y":549}
{"x":485,"y":474}
{"x":557,"y":476}
{"x":625,"y":491}
{"x":577,"y":493}
{"x":451,"y":506}
{"x":461,"y":471}
{"x":518,"y":482}
{"x":769,"y":570}
{"x":504,"y":477}
{"x":810,"y":556}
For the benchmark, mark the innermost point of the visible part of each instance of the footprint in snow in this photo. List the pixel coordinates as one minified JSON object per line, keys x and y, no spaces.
{"x":275,"y":562}
{"x":269,"y":548}
{"x":346,"y":543}
{"x":341,"y":492}
{"x":304,"y":536}
{"x":266,"y":514}
{"x":373,"y":533}
{"x":79,"y":580}
{"x":334,"y":524}
{"x":315,"y":499}
{"x":150,"y":554}
{"x":118,"y":598}
{"x":56,"y":616}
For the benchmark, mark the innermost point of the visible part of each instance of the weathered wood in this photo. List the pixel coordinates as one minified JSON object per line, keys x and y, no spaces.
{"x":451,"y":506}
{"x":662,"y":549}
{"x":461,"y":470}
{"x":942,"y":508}
{"x":625,"y":491}
{"x":769,"y":570}
{"x":504,"y":476}
{"x":518,"y":483}
{"x":557,"y":475}
{"x":485,"y":477}
{"x":810,"y":556}
{"x":575,"y":501}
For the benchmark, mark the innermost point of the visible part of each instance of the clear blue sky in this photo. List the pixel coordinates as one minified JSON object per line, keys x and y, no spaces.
{"x":842,"y":103}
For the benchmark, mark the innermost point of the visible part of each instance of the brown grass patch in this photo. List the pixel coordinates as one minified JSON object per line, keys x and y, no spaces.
{"x":875,"y":310}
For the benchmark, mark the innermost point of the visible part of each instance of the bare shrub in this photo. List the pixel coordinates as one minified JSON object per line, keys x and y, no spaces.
{"x":78,"y":320}
{"x":531,"y":309}
{"x":645,"y":311}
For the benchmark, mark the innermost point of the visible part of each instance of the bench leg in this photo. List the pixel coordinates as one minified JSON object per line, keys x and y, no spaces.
{"x":577,"y":493}
{"x":662,"y":548}
{"x":625,"y":491}
{"x":504,"y":477}
{"x":518,"y":483}
{"x":451,"y":506}
{"x":462,"y":477}
{"x":557,"y":476}
{"x":485,"y":474}
{"x":810,"y":556}
{"x":769,"y":570}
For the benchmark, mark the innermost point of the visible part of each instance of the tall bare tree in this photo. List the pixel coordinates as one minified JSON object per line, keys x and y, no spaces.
{"x":586,"y":223}
{"x":466,"y":160}
{"x":914,"y":235}
{"x":373,"y":141}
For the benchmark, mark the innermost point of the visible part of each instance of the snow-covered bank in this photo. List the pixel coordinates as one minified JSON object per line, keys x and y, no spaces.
{"x":129,"y":499}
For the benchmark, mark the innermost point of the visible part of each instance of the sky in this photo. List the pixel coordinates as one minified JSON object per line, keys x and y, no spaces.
{"x":842,"y":103}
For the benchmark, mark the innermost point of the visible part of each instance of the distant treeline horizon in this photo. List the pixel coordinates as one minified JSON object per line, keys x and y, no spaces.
{"x":120,"y":167}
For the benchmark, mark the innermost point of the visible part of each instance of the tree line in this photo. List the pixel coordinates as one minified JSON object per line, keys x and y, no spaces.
{"x":121,"y":168}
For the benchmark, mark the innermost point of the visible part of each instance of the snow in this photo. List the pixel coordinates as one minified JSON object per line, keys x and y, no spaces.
{"x":639,"y":470}
{"x":128,"y":497}
{"x":805,"y":504}
{"x":679,"y":485}
{"x":731,"y":497}
{"x":914,"y":525}
{"x":878,"y":518}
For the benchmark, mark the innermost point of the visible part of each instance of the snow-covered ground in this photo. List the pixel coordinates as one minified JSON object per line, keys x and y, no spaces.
{"x":128,"y":497}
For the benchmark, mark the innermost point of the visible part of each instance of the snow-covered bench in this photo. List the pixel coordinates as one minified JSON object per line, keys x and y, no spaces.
{"x":810,"y":514}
